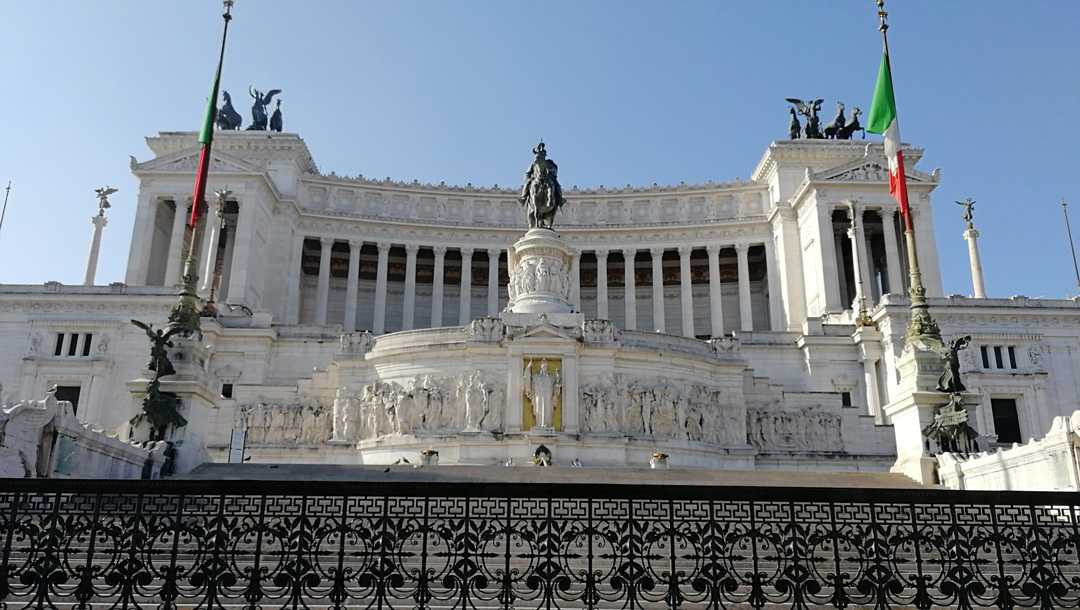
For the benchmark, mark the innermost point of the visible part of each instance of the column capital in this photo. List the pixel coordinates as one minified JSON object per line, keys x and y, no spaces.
{"x":327,"y":241}
{"x":466,"y":252}
{"x":713,"y":249}
{"x":383,"y":246}
{"x":685,"y":250}
{"x":742,"y":248}
{"x":600,"y":254}
{"x":411,"y":249}
{"x":629,"y":253}
{"x":356,"y":244}
{"x":99,"y":220}
{"x":494,"y":252}
{"x":439,"y":250}
{"x":657,"y":252}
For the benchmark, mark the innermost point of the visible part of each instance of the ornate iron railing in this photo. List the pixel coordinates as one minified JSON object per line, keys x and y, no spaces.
{"x":221,"y":544}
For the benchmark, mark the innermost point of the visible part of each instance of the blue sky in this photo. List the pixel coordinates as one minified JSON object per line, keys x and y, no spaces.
{"x":623,"y":91}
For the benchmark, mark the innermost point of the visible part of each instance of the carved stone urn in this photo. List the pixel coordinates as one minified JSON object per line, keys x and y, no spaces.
{"x":540,"y":274}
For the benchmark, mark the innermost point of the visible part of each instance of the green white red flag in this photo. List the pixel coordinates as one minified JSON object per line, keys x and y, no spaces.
{"x":206,"y":140}
{"x":882,"y":120}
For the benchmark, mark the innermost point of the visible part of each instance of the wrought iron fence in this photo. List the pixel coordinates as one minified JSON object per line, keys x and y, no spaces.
{"x":221,"y":544}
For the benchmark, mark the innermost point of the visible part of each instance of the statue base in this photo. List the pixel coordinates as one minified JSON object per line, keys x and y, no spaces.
{"x":540,"y":274}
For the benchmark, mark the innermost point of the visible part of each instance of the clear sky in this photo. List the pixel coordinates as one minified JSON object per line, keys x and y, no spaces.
{"x":623,"y":92}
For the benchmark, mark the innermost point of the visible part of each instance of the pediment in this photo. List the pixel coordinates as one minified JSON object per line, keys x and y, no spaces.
{"x":186,"y":161}
{"x":873,"y":168}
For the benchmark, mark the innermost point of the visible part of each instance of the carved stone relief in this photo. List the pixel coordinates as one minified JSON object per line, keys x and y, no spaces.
{"x":487,"y":330}
{"x":806,"y":429}
{"x":629,"y":406}
{"x":284,"y":424}
{"x":424,"y":405}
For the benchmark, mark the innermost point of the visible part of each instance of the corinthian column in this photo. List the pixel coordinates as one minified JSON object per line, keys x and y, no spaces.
{"x":746,"y":313}
{"x":380,"y":289}
{"x":892,"y":253}
{"x":575,"y":280}
{"x":658,"y":288}
{"x":601,"y":284}
{"x":465,"y":301}
{"x":352,"y":287}
{"x":629,"y":288}
{"x":215,"y":217}
{"x":99,"y":223}
{"x":409,"y":306}
{"x":437,"y":286}
{"x":716,"y":292}
{"x":972,"y":236}
{"x":322,"y":296}
{"x":174,"y":265}
{"x":493,"y":282}
{"x":687,"y":292}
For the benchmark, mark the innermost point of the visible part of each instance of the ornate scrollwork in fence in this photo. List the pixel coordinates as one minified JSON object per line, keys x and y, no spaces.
{"x":202,"y":545}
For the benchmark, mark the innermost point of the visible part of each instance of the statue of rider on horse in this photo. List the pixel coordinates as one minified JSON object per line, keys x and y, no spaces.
{"x":541,"y":194}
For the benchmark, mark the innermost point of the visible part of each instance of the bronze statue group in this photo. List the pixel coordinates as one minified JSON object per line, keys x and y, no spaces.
{"x":229,"y":119}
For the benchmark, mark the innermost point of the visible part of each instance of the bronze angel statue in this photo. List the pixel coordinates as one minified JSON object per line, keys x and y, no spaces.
{"x":258,"y":107}
{"x":541,"y":194}
{"x":159,"y":340}
{"x":810,"y":110}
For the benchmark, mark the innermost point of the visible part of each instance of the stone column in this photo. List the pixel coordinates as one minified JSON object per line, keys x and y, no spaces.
{"x":322,"y":296}
{"x":601,"y":284}
{"x":658,"y":289}
{"x":142,"y":240}
{"x":296,"y":274}
{"x":243,"y":239}
{"x":687,"y":294}
{"x":465,"y":300}
{"x":99,"y":223}
{"x":830,"y":270}
{"x":352,"y":285}
{"x":575,"y":280}
{"x":175,"y":264}
{"x":493,"y":282}
{"x":437,"y":286}
{"x":214,"y":216}
{"x":409,"y":303}
{"x":746,"y":312}
{"x":892,"y":253}
{"x":629,"y":288}
{"x":863,"y":266}
{"x":380,"y":289}
{"x":972,"y":236}
{"x":716,"y":306}
{"x":772,"y":275}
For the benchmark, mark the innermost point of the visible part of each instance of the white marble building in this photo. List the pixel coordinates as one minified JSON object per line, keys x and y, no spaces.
{"x":731,"y":340}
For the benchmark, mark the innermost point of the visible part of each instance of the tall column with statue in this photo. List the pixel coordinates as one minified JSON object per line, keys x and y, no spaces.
{"x":972,"y":238}
{"x":99,"y":221}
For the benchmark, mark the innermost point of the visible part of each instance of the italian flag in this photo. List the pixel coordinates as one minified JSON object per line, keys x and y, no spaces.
{"x":206,"y":138}
{"x":882,"y":120}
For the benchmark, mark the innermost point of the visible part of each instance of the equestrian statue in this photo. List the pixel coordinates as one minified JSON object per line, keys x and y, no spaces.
{"x":541,"y":194}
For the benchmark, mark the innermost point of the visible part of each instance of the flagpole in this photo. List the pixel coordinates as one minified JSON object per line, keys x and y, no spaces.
{"x":922,"y":324}
{"x":1072,"y":246}
{"x":7,"y":191}
{"x":184,"y":316}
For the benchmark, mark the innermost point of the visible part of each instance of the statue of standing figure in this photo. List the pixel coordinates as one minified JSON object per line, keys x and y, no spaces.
{"x":259,"y":117}
{"x":969,"y":211}
{"x":949,"y":381}
{"x":543,"y":388}
{"x":541,"y":194}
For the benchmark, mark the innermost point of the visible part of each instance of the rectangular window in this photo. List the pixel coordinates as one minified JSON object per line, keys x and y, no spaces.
{"x":845,"y":399}
{"x":59,"y":351}
{"x":226,"y":390}
{"x":985,"y":356}
{"x":69,"y":393}
{"x":86,"y":344}
{"x":1012,"y":357}
{"x":73,"y":343}
{"x":997,"y":357}
{"x":1006,"y":420}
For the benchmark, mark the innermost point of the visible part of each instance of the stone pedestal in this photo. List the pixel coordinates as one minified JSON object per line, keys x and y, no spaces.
{"x":540,"y":265}
{"x":919,"y":366}
{"x":192,"y":385}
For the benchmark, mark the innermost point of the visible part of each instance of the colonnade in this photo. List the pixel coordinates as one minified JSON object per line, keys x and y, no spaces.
{"x":495,"y":287}
{"x":860,"y":254}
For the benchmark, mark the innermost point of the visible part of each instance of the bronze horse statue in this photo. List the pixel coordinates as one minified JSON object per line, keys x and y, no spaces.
{"x":541,"y":194}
